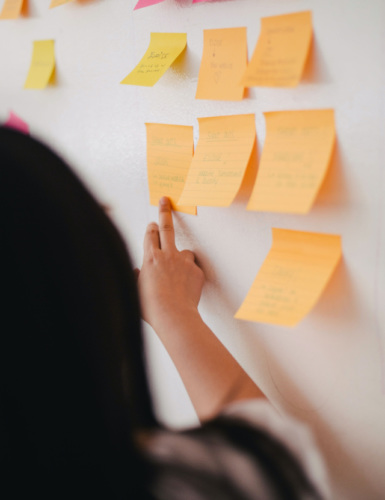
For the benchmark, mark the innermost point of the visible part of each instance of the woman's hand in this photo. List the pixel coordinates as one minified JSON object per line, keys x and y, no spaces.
{"x":170,"y":283}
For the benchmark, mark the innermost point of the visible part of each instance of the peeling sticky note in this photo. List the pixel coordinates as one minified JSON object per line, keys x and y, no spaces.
{"x":220,"y":160}
{"x":223,"y":63}
{"x":281,"y":51}
{"x":11,"y":9}
{"x":164,"y":48}
{"x":57,"y":3}
{"x":42,"y":66}
{"x":146,"y":3}
{"x":16,"y":123}
{"x":169,"y":155}
{"x":294,"y":161}
{"x":292,"y":277}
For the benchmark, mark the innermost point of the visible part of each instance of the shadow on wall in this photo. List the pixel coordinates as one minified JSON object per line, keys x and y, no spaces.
{"x":334,"y":188}
{"x":186,"y":66}
{"x":249,"y":178}
{"x":315,"y":70}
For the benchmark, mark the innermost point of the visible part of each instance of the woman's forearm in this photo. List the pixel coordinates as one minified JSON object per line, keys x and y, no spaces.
{"x":211,"y":375}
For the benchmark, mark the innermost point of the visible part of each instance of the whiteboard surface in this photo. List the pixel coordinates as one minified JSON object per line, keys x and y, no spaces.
{"x":328,"y":371}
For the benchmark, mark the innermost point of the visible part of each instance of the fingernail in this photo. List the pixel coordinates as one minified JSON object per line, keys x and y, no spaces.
{"x":163,"y":201}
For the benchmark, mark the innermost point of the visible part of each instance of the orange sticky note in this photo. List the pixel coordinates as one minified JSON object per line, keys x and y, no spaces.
{"x":292,"y":277}
{"x":169,"y":155}
{"x":220,"y":160}
{"x":294,"y":160}
{"x":42,"y":66}
{"x":56,"y":3}
{"x":11,"y":9}
{"x":223,"y":63}
{"x":281,"y":51}
{"x":164,"y":48}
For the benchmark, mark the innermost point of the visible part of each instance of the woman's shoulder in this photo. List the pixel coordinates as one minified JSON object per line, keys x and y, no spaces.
{"x":248,"y":451}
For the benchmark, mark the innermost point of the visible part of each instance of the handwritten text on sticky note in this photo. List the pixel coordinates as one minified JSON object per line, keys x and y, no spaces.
{"x":42,"y":66}
{"x":280,"y":54}
{"x":223,"y":63}
{"x":164,"y":48}
{"x":169,"y":155}
{"x":294,"y":161}
{"x":11,"y":9}
{"x":292,"y":278}
{"x":220,"y":160}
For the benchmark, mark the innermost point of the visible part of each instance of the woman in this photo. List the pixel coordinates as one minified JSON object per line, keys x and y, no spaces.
{"x":76,"y":417}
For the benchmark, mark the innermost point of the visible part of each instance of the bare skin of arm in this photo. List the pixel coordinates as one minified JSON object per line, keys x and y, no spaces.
{"x":170,"y":286}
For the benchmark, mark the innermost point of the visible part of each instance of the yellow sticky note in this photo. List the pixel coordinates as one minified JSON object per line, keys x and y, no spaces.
{"x":292,"y":278}
{"x":220,"y":160}
{"x":223,"y":64}
{"x":11,"y":9}
{"x":281,"y":51}
{"x":56,"y":3}
{"x":169,"y":155}
{"x":164,"y":48}
{"x":42,"y":66}
{"x":294,"y":160}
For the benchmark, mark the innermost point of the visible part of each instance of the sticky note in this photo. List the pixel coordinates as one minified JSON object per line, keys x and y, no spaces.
{"x":146,"y":3}
{"x":42,"y":66}
{"x":292,"y":277}
{"x":281,"y":51}
{"x":220,"y":160}
{"x":164,"y":48}
{"x":56,"y":3}
{"x":16,"y":123}
{"x":169,"y":155}
{"x":11,"y":9}
{"x":223,"y":63}
{"x":294,"y":161}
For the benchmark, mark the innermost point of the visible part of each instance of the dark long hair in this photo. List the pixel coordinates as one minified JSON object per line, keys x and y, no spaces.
{"x":73,"y":387}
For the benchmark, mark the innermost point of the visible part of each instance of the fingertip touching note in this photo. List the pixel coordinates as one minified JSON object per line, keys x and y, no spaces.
{"x":169,"y":155}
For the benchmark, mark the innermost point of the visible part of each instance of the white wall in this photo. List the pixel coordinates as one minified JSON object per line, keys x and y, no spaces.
{"x":328,"y":371}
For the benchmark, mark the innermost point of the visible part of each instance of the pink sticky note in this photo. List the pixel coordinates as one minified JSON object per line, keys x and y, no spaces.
{"x":17,"y":123}
{"x":146,"y":3}
{"x":200,"y":1}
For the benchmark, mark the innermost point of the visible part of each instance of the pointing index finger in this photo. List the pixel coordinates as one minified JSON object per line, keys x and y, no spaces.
{"x":166,"y":225}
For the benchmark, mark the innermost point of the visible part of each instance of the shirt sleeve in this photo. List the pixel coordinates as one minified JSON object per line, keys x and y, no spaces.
{"x":294,"y":434}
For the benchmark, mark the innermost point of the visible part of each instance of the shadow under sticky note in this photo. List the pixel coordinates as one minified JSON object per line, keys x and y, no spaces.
{"x":164,"y":48}
{"x":11,"y":9}
{"x":169,"y":155}
{"x":292,"y":277}
{"x":220,"y":160}
{"x":294,"y":161}
{"x":280,"y":54}
{"x":223,"y":63}
{"x":42,"y":68}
